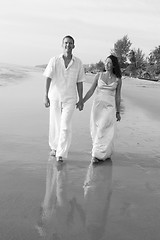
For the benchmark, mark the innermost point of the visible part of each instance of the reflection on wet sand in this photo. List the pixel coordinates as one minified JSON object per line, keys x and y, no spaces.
{"x":55,"y":208}
{"x":63,"y":218}
{"x":97,"y":193}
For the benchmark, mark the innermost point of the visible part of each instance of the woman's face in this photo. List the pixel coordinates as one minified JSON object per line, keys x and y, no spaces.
{"x":108,"y":64}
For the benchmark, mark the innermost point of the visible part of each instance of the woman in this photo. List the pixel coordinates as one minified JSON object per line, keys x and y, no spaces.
{"x":105,"y":109}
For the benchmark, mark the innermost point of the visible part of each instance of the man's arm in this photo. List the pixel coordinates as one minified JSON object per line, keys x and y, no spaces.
{"x":49,"y":73}
{"x":46,"y":100}
{"x":80,"y":94}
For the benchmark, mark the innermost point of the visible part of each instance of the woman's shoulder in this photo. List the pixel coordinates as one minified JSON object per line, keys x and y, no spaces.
{"x":99,"y":74}
{"x":118,"y":79}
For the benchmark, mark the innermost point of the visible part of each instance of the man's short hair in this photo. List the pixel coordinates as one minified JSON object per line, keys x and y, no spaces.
{"x":68,"y":36}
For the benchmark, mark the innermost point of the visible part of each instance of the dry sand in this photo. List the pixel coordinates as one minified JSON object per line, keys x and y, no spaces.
{"x":118,"y":200}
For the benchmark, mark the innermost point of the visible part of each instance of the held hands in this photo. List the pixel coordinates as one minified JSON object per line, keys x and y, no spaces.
{"x":118,"y":117}
{"x":46,"y":102}
{"x":80,"y":105}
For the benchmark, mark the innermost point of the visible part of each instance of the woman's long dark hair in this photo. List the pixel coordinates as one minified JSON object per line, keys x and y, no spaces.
{"x":116,"y":67}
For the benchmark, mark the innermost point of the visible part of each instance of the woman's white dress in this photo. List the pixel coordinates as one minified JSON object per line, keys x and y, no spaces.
{"x":103,"y":119}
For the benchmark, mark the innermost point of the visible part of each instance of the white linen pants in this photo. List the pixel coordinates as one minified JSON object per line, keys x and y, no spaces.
{"x":60,"y":126}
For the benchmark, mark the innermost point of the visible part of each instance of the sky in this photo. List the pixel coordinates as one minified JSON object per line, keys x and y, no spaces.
{"x":32,"y":30}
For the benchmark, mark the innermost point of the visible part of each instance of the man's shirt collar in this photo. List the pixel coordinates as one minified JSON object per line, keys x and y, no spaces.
{"x":61,"y":56}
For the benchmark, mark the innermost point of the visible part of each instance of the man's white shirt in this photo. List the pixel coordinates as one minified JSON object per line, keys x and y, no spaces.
{"x":63,"y":85}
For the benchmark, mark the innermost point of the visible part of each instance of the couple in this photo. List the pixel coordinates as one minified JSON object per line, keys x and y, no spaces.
{"x":64,"y":79}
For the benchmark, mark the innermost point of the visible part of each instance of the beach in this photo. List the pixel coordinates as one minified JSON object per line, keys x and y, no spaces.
{"x":116,"y":200}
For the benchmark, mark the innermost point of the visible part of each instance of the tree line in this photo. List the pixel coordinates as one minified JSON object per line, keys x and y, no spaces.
{"x":133,"y":62}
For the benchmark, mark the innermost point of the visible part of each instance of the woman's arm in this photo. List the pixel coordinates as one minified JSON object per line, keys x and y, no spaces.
{"x":118,"y":99}
{"x":92,"y":89}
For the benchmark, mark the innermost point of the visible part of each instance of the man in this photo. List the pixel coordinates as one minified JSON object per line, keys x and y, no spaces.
{"x":65,"y":76}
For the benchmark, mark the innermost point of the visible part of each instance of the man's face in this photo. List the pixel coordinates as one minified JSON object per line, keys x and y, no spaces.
{"x":68,"y":45}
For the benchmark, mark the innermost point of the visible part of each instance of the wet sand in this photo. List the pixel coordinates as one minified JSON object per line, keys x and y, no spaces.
{"x":117,"y":200}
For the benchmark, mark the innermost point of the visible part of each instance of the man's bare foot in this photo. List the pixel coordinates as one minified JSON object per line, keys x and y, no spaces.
{"x":60,"y":159}
{"x":94,"y":160}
